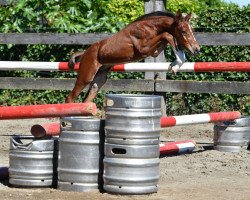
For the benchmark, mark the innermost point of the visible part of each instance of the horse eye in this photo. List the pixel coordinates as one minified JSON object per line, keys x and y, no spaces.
{"x":184,"y":32}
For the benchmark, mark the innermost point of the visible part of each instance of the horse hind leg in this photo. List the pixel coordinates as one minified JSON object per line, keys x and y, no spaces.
{"x":89,"y":66}
{"x":79,"y":86}
{"x":72,"y":60}
{"x":99,"y":80}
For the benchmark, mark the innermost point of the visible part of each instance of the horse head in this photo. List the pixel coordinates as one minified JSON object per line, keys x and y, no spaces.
{"x":184,"y":35}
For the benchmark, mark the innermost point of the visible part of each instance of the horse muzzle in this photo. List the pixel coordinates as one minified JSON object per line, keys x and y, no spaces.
{"x":195,"y":51}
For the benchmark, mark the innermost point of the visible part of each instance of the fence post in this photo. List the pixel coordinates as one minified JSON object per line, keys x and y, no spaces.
{"x":151,"y":6}
{"x":148,"y":8}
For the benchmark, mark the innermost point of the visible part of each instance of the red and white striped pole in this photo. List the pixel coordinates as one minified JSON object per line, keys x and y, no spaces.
{"x":199,"y":118}
{"x":168,"y":121}
{"x":186,"y":67}
{"x":35,"y":66}
{"x":130,"y":67}
{"x":180,"y":147}
{"x":47,"y":110}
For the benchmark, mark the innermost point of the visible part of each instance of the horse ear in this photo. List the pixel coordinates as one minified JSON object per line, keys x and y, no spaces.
{"x":188,"y":17}
{"x":178,"y":15}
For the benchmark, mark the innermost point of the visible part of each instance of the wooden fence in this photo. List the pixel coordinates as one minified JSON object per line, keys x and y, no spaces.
{"x":208,"y":39}
{"x":149,"y":84}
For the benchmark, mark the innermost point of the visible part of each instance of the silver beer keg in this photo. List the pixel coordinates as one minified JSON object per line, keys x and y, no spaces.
{"x":133,"y":116}
{"x":132,"y":130}
{"x":32,"y":162}
{"x":80,"y":165}
{"x":232,"y":136}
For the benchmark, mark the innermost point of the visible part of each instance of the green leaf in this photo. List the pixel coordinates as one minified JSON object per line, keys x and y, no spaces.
{"x":87,"y":3}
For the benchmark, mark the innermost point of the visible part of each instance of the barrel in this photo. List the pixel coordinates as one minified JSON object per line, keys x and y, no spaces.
{"x":32,"y":162}
{"x":139,"y":148}
{"x":132,"y":130}
{"x":131,"y":166}
{"x":131,"y":176}
{"x":232,"y":136}
{"x":80,"y":165}
{"x":133,"y":116}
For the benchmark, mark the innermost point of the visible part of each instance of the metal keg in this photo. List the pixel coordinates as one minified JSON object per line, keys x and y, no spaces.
{"x":81,"y":154}
{"x":132,"y":129}
{"x":32,"y":162}
{"x":132,"y":148}
{"x":133,"y":116}
{"x":131,"y":176}
{"x":232,"y":136}
{"x":131,"y":166}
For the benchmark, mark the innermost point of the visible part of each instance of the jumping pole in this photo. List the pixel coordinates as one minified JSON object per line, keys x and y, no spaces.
{"x":35,"y":66}
{"x":199,"y":118}
{"x":47,"y":110}
{"x":53,"y":129}
{"x":186,"y":67}
{"x":50,"y":129}
{"x":180,"y":147}
{"x":132,"y":67}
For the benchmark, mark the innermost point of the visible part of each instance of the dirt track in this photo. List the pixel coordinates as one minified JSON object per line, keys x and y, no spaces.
{"x":204,"y":174}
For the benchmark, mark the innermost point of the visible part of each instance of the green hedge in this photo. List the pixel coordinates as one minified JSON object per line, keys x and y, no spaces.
{"x":225,"y":19}
{"x":111,"y":16}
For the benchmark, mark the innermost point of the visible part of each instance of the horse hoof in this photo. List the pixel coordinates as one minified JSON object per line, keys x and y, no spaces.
{"x":155,"y":54}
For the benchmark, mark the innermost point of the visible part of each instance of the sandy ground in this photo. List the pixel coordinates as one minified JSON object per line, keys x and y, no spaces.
{"x":204,"y":174}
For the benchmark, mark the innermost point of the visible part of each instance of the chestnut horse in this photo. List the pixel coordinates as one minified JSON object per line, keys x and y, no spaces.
{"x":146,"y":36}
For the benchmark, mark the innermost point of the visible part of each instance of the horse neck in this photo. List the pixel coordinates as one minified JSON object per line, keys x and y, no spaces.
{"x":164,"y":24}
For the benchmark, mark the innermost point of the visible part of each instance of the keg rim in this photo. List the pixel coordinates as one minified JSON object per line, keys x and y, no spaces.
{"x":133,"y":95}
{"x":131,"y":101}
{"x":244,"y":121}
{"x":35,"y":144}
{"x":80,"y":118}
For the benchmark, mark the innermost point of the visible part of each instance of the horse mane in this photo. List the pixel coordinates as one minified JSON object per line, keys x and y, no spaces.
{"x":157,"y":13}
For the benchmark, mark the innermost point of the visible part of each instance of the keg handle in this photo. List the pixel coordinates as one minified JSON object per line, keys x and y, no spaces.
{"x":231,"y":122}
{"x":16,"y":142}
{"x":66,"y":124}
{"x":108,"y":102}
{"x":119,"y":151}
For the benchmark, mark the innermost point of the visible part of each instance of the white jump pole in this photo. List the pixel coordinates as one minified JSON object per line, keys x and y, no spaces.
{"x":179,"y":147}
{"x":131,"y":67}
{"x":53,"y":129}
{"x":168,"y":121}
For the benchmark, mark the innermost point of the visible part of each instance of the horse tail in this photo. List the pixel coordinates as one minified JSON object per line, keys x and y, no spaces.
{"x":72,"y":60}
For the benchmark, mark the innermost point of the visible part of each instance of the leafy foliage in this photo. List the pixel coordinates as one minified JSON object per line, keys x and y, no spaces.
{"x":131,"y":9}
{"x":58,"y":16}
{"x":196,"y":6}
{"x":110,"y":16}
{"x":233,"y":19}
{"x":186,"y":6}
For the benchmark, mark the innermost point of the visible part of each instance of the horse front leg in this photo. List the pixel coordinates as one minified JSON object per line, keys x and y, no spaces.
{"x":180,"y":59}
{"x":156,"y":45}
{"x":160,"y":49}
{"x":179,"y":54}
{"x":148,"y":47}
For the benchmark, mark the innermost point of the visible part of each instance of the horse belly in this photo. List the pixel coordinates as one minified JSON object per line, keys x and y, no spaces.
{"x":116,"y":52}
